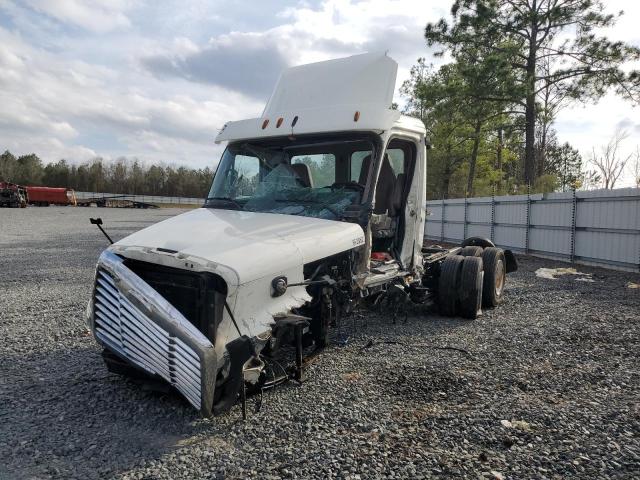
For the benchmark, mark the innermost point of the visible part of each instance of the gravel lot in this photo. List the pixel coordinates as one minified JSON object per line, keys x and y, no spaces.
{"x":549,"y":388}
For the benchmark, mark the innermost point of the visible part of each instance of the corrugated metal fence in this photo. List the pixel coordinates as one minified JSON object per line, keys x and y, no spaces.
{"x":142,"y":198}
{"x":600,"y":227}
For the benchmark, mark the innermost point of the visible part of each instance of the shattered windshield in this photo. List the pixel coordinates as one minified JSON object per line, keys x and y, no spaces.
{"x":309,"y":180}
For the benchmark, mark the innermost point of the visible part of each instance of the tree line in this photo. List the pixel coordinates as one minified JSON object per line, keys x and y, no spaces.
{"x":515,"y":64}
{"x":122,"y":176}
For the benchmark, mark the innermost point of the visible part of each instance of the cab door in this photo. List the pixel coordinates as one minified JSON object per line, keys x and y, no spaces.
{"x":400,"y":196}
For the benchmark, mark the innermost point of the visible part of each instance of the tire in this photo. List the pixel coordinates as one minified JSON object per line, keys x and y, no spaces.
{"x":448,"y":283}
{"x":471,"y":288}
{"x":494,"y":277}
{"x":471,"y":251}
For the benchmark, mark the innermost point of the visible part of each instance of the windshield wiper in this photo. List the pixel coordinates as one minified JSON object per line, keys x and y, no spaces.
{"x":226,"y":199}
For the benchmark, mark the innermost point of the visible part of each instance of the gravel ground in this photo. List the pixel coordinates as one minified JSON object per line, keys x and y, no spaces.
{"x":548,"y":386}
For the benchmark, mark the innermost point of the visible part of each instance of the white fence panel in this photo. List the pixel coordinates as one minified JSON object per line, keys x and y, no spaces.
{"x":599,"y":227}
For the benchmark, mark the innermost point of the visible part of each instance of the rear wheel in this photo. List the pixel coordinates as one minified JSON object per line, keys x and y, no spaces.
{"x":494,"y":276}
{"x":471,"y":288}
{"x":471,"y":251}
{"x":448,"y":283}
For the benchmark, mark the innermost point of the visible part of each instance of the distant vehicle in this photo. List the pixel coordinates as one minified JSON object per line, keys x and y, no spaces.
{"x":45,"y":196}
{"x":114,"y":201}
{"x":12,"y":195}
{"x":316,"y":206}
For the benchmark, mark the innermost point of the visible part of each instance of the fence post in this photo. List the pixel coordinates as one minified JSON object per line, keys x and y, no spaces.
{"x":464,"y":233}
{"x":574,"y":204}
{"x":493,"y":213}
{"x":528,"y":227}
{"x":442,"y":221}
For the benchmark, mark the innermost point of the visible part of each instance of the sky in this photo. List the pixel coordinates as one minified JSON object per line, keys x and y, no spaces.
{"x":157,"y":80}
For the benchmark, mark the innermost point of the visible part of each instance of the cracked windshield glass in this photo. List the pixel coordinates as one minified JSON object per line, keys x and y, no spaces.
{"x":310,"y":181}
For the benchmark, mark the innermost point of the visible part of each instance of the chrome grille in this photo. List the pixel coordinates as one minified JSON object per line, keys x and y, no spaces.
{"x":132,"y":334}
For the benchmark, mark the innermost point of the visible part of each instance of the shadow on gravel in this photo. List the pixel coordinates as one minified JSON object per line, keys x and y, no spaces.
{"x":429,"y":383}
{"x":67,"y":417}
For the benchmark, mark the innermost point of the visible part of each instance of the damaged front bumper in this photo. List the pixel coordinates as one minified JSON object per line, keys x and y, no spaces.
{"x":132,"y":320}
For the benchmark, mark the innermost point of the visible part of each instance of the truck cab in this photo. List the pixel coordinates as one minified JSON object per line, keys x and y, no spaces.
{"x":316,"y":205}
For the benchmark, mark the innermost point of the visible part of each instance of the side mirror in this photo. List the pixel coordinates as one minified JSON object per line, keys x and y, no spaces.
{"x":95,"y":221}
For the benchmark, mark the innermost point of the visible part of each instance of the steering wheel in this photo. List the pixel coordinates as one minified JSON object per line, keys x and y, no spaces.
{"x":348,"y":185}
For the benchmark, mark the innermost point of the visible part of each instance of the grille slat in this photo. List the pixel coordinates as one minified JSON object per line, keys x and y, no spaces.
{"x":185,"y":350}
{"x":106,"y":307}
{"x":113,"y":331}
{"x":184,"y":367}
{"x":131,"y":351}
{"x":109,"y":295}
{"x":132,"y":334}
{"x":151,"y":336}
{"x":109,"y":286}
{"x":179,"y":355}
{"x":177,"y":367}
{"x":136,"y":346}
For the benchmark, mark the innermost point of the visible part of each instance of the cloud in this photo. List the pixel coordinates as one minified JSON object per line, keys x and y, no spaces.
{"x":245,"y":62}
{"x":22,"y":143}
{"x":98,"y":16}
{"x":250,"y":62}
{"x":70,"y":100}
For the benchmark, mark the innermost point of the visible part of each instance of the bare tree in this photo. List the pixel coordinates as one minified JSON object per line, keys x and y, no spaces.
{"x":609,"y":164}
{"x":634,"y":167}
{"x":589,"y":180}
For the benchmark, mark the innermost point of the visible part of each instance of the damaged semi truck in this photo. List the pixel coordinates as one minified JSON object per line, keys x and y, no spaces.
{"x":315,"y":206}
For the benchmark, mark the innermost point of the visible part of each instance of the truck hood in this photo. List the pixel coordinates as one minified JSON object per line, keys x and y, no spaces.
{"x":250,"y":244}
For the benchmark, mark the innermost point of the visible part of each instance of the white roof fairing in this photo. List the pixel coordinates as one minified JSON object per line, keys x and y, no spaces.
{"x":360,"y":80}
{"x":324,"y":97}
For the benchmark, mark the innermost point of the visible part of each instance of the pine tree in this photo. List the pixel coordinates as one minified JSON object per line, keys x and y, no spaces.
{"x":527,"y":33}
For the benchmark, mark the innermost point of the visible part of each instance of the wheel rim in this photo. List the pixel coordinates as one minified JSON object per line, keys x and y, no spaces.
{"x":499,"y":278}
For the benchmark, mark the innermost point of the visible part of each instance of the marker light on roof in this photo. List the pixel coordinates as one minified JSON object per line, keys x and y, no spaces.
{"x":265,"y":123}
{"x":356,"y":116}
{"x":279,"y":122}
{"x":295,"y":120}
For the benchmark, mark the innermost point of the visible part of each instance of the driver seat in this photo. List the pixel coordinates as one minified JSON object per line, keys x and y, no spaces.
{"x":303,"y":173}
{"x":383,"y":220}
{"x":385,"y":188}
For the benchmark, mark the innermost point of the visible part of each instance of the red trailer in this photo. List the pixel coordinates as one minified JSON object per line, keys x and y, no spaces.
{"x":45,"y":196}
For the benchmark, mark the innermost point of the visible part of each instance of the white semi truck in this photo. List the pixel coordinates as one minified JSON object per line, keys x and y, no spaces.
{"x":315,"y":206}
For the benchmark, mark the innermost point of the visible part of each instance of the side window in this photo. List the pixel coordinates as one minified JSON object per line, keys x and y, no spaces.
{"x":247,"y":171}
{"x":357,"y":159}
{"x":397,"y":160}
{"x":322,"y":168}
